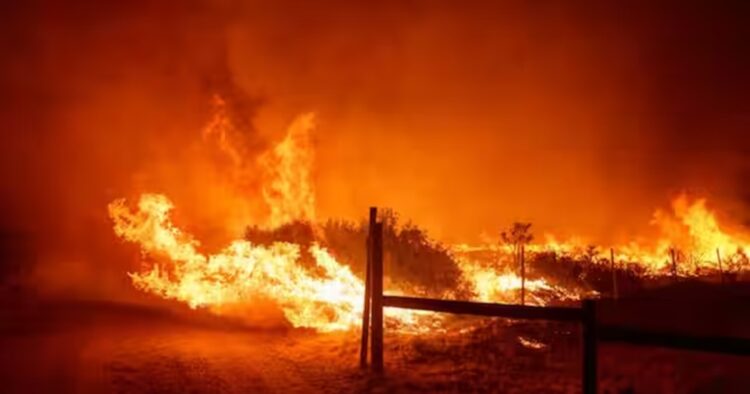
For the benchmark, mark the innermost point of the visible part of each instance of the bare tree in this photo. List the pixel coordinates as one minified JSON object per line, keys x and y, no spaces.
{"x":517,"y":236}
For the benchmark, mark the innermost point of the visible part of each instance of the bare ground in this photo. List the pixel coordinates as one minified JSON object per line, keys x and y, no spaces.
{"x":110,"y":348}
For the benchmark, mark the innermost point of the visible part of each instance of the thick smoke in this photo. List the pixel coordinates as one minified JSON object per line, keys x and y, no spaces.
{"x":579,"y":118}
{"x":108,"y":100}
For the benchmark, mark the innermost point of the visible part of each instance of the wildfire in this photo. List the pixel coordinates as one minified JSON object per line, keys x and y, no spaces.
{"x":327,"y":298}
{"x":330,"y":297}
{"x":691,"y":241}
{"x":693,"y":232}
{"x":239,"y":273}
{"x":489,"y":285}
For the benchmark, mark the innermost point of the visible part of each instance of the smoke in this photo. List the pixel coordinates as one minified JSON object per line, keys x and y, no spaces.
{"x":578,"y":118}
{"x":107,"y":100}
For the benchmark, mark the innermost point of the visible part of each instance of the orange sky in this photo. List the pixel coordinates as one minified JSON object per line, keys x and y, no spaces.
{"x":579,"y":119}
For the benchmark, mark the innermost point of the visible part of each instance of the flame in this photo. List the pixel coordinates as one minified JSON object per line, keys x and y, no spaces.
{"x":289,"y":192}
{"x":690,"y":231}
{"x":221,"y":128}
{"x":531,"y":343}
{"x":692,"y":234}
{"x":240,"y":272}
{"x":490,"y":285}
{"x":329,"y":299}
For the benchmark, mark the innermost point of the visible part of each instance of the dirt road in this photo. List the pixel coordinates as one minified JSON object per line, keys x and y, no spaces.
{"x":97,"y":348}
{"x":113,"y":348}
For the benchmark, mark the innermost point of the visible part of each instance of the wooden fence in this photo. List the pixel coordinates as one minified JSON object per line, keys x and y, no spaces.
{"x":586,"y":315}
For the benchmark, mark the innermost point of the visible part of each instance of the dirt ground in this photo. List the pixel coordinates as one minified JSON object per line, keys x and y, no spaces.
{"x":87,"y":347}
{"x":103,"y":348}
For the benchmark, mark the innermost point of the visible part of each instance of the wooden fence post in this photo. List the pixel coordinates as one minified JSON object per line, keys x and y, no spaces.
{"x":721,"y":271}
{"x":377,"y":299}
{"x":615,"y":294}
{"x":672,"y":254}
{"x":589,"y":378}
{"x":368,"y":274}
{"x":523,"y":277}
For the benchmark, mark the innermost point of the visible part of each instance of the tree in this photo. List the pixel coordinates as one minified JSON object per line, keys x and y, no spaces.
{"x":518,"y":235}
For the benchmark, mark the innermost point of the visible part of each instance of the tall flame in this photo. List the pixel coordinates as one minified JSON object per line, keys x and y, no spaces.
{"x":327,"y":298}
{"x":289,"y":192}
{"x":691,"y":241}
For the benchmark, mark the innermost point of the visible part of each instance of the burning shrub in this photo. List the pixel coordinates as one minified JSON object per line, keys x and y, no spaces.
{"x":410,"y":256}
{"x":411,"y":259}
{"x":298,"y":232}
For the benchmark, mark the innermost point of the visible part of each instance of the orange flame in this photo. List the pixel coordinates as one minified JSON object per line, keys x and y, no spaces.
{"x":289,"y":192}
{"x":690,"y":229}
{"x":240,"y":272}
{"x":489,"y":285}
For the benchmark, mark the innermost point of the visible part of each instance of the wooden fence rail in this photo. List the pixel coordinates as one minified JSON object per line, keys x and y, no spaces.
{"x":586,"y":315}
{"x":484,"y":309}
{"x":637,"y":336}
